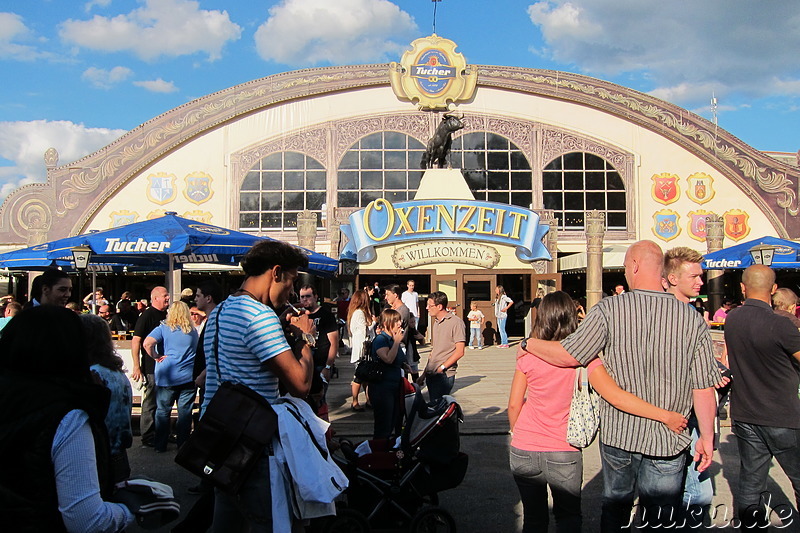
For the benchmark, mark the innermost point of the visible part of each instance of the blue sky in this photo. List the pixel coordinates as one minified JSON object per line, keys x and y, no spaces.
{"x":76,"y":75}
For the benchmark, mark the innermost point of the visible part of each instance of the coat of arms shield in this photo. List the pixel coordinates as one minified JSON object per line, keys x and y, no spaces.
{"x":666,"y":224}
{"x":737,"y":226}
{"x":701,"y":187}
{"x":665,"y":188}
{"x":161,"y":188}
{"x":697,"y":224}
{"x":198,"y":187}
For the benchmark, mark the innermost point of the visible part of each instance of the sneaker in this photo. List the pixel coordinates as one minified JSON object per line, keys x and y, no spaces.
{"x":471,"y":347}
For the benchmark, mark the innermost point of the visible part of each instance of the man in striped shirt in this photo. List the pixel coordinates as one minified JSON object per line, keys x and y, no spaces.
{"x":655,"y":347}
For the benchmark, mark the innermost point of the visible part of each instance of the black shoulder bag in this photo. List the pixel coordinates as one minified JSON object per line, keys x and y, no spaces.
{"x":368,"y":369}
{"x":233,"y":433}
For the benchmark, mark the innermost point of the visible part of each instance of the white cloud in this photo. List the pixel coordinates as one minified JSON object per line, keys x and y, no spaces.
{"x":682,"y":50}
{"x":12,"y":29}
{"x":105,"y":79}
{"x":24,"y":145}
{"x":157,"y":86}
{"x":159,"y":28}
{"x":101,"y":3}
{"x":307,"y":32}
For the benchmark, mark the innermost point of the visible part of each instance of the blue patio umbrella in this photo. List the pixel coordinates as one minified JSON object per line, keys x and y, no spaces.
{"x":172,"y":240}
{"x":785,"y":255}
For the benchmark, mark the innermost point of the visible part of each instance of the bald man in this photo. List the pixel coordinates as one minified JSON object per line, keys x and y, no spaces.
{"x":763,"y":348}
{"x":659,"y":348}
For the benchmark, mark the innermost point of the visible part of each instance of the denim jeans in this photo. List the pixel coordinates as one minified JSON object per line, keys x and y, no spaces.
{"x":165,"y":398}
{"x":698,"y":490}
{"x":563,"y":472}
{"x":439,"y":384}
{"x":501,"y":327}
{"x":251,"y":509}
{"x":475,"y":338}
{"x":757,"y":446}
{"x":660,"y":483}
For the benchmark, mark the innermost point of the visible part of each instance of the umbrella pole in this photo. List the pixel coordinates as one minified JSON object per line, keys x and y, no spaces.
{"x":94,"y":291}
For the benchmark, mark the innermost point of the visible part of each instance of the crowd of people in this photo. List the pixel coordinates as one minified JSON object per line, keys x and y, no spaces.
{"x":647,"y":352}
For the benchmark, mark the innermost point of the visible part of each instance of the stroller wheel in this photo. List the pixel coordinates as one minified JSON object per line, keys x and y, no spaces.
{"x":346,"y":521}
{"x":433,"y":520}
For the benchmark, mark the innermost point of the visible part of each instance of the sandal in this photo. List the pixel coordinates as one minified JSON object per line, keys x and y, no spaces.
{"x":356,"y":407}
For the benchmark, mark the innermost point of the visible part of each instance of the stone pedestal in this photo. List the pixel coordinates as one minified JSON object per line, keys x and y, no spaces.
{"x":307,"y":229}
{"x":595,"y":231}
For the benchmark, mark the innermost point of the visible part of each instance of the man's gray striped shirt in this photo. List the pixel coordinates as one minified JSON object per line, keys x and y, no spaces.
{"x":654,"y":346}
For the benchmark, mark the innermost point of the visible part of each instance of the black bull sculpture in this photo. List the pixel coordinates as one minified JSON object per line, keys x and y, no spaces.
{"x":439,"y":145}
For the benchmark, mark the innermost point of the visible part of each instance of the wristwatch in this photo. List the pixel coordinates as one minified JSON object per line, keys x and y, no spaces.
{"x":327,"y":367}
{"x":310,"y":340}
{"x":443,"y":367}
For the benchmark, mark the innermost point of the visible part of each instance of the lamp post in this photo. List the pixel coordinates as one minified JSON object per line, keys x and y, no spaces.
{"x":81,"y":255}
{"x":762,"y":254}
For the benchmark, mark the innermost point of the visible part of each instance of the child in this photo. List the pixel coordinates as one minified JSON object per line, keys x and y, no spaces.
{"x":475,"y":322}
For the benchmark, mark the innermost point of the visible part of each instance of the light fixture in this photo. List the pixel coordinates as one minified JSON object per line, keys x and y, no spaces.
{"x":762,"y":254}
{"x":81,"y":255}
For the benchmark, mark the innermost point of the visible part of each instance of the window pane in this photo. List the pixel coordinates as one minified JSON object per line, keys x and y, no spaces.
{"x":348,"y":199}
{"x":293,"y":201}
{"x":519,"y":161}
{"x":594,"y":163}
{"x":616,"y":220}
{"x":293,"y":181}
{"x":555,"y":164}
{"x":474,"y":141}
{"x":293,"y":160}
{"x":521,"y":181}
{"x":415,"y":158}
{"x":615,"y":182}
{"x":574,"y":219}
{"x":616,"y":201}
{"x":595,"y":181}
{"x":498,"y":181}
{"x":414,"y":177}
{"x":271,"y":181}
{"x":315,"y":181}
{"x":458,"y":144}
{"x":369,"y":196}
{"x":271,"y":220}
{"x":498,"y":160}
{"x":248,"y":221}
{"x":499,"y":197}
{"x":394,"y":160}
{"x":573,"y":181}
{"x":350,"y":160}
{"x":251,"y":182}
{"x":551,"y":181}
{"x":314,"y":200}
{"x":522,"y":199}
{"x":396,"y":196}
{"x":414,"y":144}
{"x":573,"y":200}
{"x":553,"y":200}
{"x":573,"y":161}
{"x":372,"y":141}
{"x":248,"y":201}
{"x":272,"y":162}
{"x":595,"y":200}
{"x":313,"y":164}
{"x":289,"y":220}
{"x":371,"y":180}
{"x":394,"y":140}
{"x":476,"y":179}
{"x":371,"y":160}
{"x":474,"y":160}
{"x":496,"y":142}
{"x":395,"y":180}
{"x":348,"y":180}
{"x":271,"y":201}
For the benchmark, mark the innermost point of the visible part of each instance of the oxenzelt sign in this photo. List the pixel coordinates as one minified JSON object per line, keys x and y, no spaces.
{"x":382,"y":223}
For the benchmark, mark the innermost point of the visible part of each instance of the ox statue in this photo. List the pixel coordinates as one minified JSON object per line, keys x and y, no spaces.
{"x":439,"y":145}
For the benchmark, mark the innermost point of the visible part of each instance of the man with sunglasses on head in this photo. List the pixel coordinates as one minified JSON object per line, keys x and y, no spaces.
{"x":327,"y":345}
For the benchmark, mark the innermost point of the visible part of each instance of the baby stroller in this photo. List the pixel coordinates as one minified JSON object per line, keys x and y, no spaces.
{"x":395,"y":484}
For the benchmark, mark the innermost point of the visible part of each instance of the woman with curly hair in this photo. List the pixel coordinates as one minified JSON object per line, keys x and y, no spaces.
{"x":177,"y":339}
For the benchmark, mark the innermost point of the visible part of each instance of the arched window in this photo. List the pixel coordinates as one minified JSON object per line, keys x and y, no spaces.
{"x":578,"y":182}
{"x":380,"y":165}
{"x":495,"y":168}
{"x":277,"y":188}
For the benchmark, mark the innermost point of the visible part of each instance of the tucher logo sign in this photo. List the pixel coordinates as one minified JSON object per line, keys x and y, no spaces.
{"x":139,"y":245}
{"x":723,"y":263}
{"x":432,"y":74}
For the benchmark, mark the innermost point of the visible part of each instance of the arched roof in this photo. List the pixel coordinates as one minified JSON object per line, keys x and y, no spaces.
{"x":62,"y":206}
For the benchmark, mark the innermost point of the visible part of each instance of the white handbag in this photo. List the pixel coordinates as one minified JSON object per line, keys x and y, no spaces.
{"x":584,"y":411}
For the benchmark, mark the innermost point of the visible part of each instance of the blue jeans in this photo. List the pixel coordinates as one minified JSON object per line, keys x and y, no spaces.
{"x":698,"y":490}
{"x":563,"y":472}
{"x":251,"y":509}
{"x":475,"y":338}
{"x":439,"y":384}
{"x":501,"y":327}
{"x":660,"y":483}
{"x":757,"y":446}
{"x":165,"y":398}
